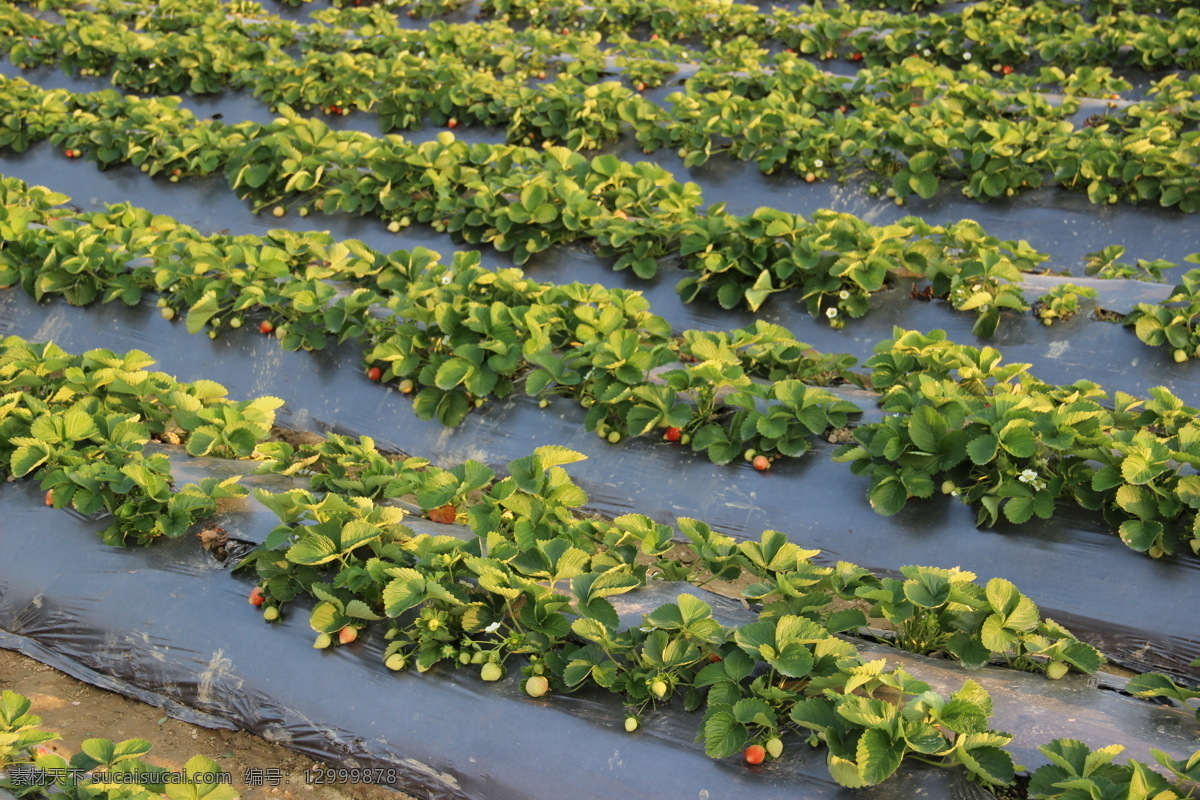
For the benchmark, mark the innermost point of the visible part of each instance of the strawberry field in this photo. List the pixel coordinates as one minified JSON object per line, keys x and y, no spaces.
{"x":709,"y":398}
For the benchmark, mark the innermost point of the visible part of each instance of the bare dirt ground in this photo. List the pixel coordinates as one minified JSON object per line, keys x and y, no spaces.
{"x":77,"y":711}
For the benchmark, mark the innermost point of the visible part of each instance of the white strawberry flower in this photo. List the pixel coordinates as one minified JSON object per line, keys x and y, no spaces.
{"x":845,"y":295}
{"x":926,"y":52}
{"x":818,"y":163}
{"x":967,"y":56}
{"x":495,"y":626}
{"x":831,"y":312}
{"x":1027,"y":476}
{"x":954,"y":493}
{"x":446,"y":279}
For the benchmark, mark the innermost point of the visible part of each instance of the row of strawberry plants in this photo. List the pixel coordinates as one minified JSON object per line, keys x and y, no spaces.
{"x":961,"y":131}
{"x":460,"y":334}
{"x":997,"y":32}
{"x":495,"y":596}
{"x":1000,"y":439}
{"x":455,"y":334}
{"x":523,"y":201}
{"x":994,"y":31}
{"x":30,"y":770}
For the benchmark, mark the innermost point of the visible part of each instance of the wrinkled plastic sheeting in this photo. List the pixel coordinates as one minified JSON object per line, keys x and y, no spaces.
{"x":168,"y":625}
{"x":1132,"y":607}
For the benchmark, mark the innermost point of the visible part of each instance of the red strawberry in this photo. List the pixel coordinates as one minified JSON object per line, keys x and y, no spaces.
{"x":443,"y":514}
{"x":374,"y":373}
{"x":265,"y":326}
{"x":672,"y":434}
{"x":1006,"y":69}
{"x":755,"y":754}
{"x":452,"y":123}
{"x":50,"y":497}
{"x":714,"y":657}
{"x":762,"y":463}
{"x":856,"y":57}
{"x":256,"y":596}
{"x":347,"y":634}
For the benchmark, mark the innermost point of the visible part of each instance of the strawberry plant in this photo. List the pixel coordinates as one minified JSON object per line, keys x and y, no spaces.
{"x":47,"y":774}
{"x":1061,"y":303}
{"x":1176,"y":321}
{"x":1075,"y":768}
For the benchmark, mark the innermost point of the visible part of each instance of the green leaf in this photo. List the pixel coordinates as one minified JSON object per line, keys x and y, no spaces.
{"x":846,"y":772}
{"x":878,"y":756}
{"x":982,"y":449}
{"x":994,"y":635}
{"x":204,"y":309}
{"x":102,"y":751}
{"x":326,"y":617}
{"x":452,"y":372}
{"x":888,"y":497}
{"x":312,"y":549}
{"x":928,"y":590}
{"x":991,"y":765}
{"x":1140,"y":535}
{"x":1002,"y":595}
{"x":927,"y":429}
{"x":552,"y":455}
{"x":723,"y":735}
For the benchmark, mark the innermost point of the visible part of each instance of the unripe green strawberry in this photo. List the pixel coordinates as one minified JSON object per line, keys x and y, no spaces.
{"x":537,"y":686}
{"x":270,"y":613}
{"x":659,"y":688}
{"x":631,"y":724}
{"x":750,"y":454}
{"x":323,"y":641}
{"x":614,"y":437}
{"x":774,"y":747}
{"x":1180,"y":356}
{"x":464,"y":658}
{"x":395,"y":662}
{"x":491,"y":671}
{"x":168,"y":313}
{"x":1056,"y":669}
{"x":948,"y":487}
{"x":478,"y":657}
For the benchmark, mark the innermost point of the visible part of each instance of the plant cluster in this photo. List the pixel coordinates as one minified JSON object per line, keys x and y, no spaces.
{"x":80,"y":425}
{"x":1175,"y":322}
{"x":1077,"y":771}
{"x":926,"y":124}
{"x":531,"y":584}
{"x":21,"y":738}
{"x":999,"y":439}
{"x":991,"y":32}
{"x":523,"y":201}
{"x":1062,"y":302}
{"x":452,"y":335}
